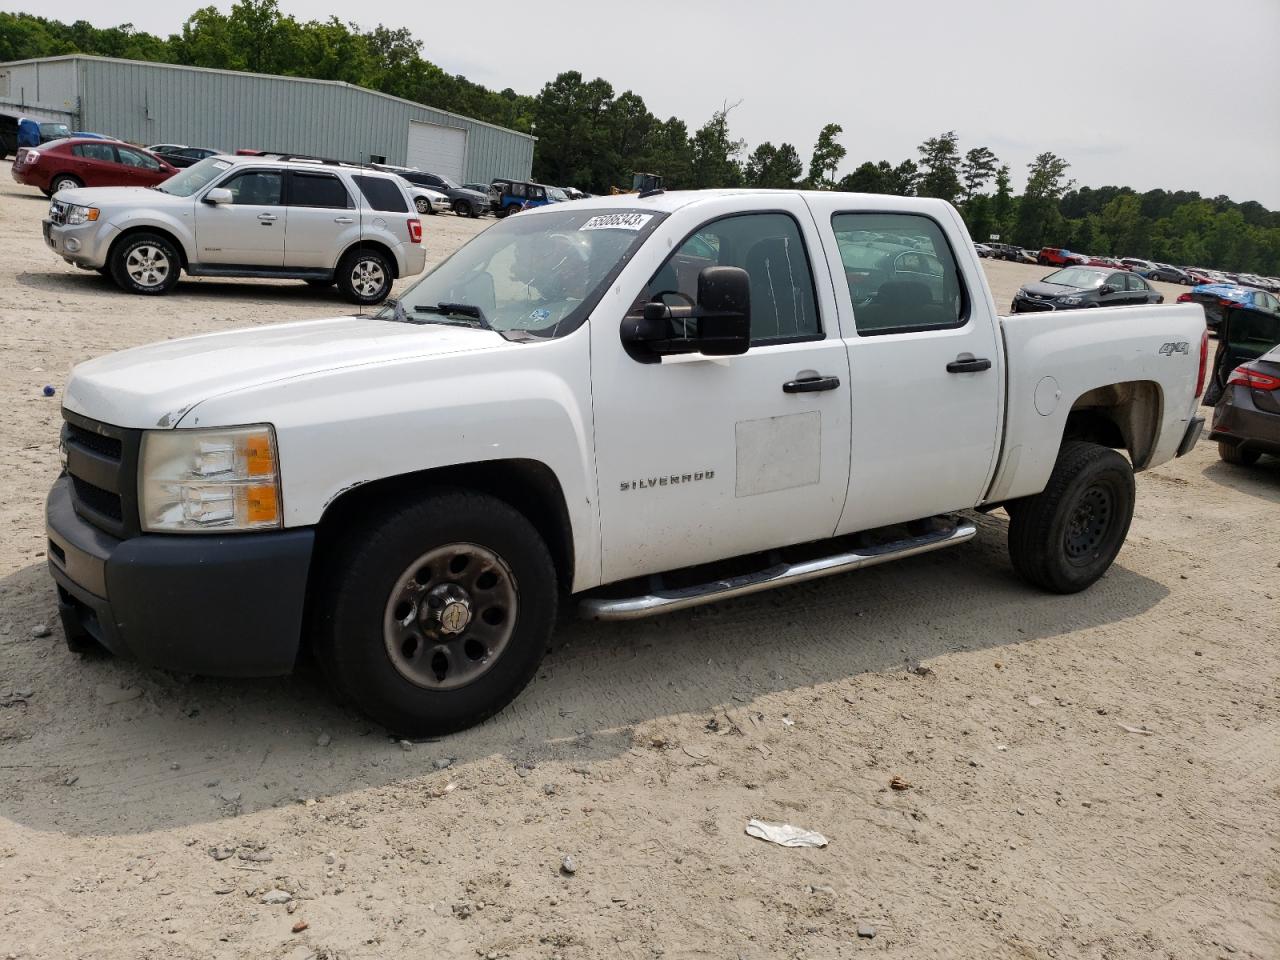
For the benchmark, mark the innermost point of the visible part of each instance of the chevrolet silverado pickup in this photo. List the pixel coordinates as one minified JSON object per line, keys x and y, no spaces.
{"x":632,"y":404}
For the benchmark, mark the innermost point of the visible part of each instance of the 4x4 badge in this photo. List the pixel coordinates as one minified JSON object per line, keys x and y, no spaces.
{"x":1169,"y":349}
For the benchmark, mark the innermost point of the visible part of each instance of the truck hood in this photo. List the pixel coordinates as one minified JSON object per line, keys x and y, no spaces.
{"x":120,"y":196}
{"x":156,"y":385}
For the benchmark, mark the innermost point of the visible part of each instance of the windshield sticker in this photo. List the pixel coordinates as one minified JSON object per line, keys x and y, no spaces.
{"x":617,"y":221}
{"x":222,"y":165}
{"x":541,"y":314}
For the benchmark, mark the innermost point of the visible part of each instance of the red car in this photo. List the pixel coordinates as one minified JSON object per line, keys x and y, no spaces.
{"x":1103,"y":262}
{"x":1058,"y":257}
{"x":82,"y":162}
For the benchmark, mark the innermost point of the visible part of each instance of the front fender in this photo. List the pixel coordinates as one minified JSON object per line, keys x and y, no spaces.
{"x":340,"y":429}
{"x":178,"y":225}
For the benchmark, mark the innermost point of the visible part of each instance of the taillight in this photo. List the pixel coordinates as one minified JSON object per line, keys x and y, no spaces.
{"x":415,"y":231}
{"x":1246,"y":376}
{"x":1184,"y":298}
{"x":1204,"y":363}
{"x":1223,"y":302}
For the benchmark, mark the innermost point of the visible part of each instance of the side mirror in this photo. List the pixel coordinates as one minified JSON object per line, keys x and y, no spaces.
{"x":218,"y":195}
{"x":1106,"y":288}
{"x":724,"y":297}
{"x":718,"y":325}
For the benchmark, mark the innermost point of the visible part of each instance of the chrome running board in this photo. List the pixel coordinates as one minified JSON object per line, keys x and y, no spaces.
{"x":778,"y":575}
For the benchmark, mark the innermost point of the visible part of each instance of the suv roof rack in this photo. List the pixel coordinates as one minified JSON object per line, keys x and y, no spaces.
{"x":285,"y":156}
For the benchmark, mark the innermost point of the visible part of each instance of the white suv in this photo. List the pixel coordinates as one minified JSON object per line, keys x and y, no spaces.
{"x":256,"y":216}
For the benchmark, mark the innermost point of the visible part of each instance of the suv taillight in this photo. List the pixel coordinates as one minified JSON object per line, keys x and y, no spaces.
{"x":1184,"y":298}
{"x":415,"y":231}
{"x":1204,"y":362}
{"x":1246,"y":376}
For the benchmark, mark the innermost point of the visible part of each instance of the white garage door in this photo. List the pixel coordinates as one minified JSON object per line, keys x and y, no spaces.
{"x":437,"y":149}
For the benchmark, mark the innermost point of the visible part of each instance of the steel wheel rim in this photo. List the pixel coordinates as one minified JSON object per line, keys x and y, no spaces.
{"x":147,"y":265}
{"x":367,"y":277}
{"x":1089,"y":524}
{"x":450,"y":616}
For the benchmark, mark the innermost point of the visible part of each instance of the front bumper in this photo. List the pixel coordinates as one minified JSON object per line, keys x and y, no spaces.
{"x":1238,"y":421}
{"x":227,"y":606}
{"x":85,"y":245}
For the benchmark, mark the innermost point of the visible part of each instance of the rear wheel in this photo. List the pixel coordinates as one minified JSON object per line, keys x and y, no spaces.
{"x":1064,"y":538}
{"x":364,"y":276}
{"x":1232,"y":453}
{"x":436,"y":614}
{"x":145,"y":263}
{"x":63,"y":181}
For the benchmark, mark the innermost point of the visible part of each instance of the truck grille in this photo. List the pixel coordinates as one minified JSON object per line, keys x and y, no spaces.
{"x":102,"y":461}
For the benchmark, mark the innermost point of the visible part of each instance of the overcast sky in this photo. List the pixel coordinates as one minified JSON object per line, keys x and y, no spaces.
{"x":1180,"y":94}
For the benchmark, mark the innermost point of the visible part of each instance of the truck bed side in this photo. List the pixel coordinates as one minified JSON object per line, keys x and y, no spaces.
{"x":1124,"y":372}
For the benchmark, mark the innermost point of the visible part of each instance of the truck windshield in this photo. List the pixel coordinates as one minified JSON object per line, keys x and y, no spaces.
{"x":536,"y":274}
{"x":195,"y":177}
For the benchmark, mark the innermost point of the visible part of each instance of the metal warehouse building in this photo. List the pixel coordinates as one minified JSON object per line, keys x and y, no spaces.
{"x":228,"y":110}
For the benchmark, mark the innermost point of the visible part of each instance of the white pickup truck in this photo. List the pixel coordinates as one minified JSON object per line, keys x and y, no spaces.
{"x":605,"y":400}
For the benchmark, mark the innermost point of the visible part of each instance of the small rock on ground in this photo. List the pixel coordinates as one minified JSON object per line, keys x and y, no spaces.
{"x":40,"y":630}
{"x":568,"y":865}
{"x":866,"y":931}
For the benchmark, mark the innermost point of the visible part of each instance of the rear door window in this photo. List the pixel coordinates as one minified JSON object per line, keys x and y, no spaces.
{"x":901,"y":273}
{"x":382,"y":193}
{"x":95,"y":151}
{"x":317,"y":190}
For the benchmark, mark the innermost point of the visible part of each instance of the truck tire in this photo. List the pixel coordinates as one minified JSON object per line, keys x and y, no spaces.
{"x":364,"y":276}
{"x":144,"y":263}
{"x":436,"y":615}
{"x":1065,"y":537}
{"x":1231,"y":453}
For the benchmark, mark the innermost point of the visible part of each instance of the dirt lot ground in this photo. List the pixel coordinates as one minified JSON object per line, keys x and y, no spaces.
{"x":1038,"y":824}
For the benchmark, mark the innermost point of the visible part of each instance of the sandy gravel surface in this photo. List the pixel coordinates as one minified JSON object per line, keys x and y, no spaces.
{"x":1037,"y":824}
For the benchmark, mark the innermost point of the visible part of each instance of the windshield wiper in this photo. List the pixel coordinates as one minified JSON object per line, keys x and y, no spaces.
{"x":456,"y":309}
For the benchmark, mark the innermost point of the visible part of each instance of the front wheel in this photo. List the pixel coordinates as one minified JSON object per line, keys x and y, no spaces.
{"x":145,"y":263}
{"x":364,"y":276}
{"x":1231,"y":453}
{"x":436,"y":615}
{"x":1065,"y":537}
{"x":423,"y":205}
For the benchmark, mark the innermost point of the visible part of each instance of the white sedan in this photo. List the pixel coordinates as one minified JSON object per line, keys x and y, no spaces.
{"x":426,"y":199}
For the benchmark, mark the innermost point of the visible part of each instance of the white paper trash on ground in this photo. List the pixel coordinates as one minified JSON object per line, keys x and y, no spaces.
{"x":785,"y":834}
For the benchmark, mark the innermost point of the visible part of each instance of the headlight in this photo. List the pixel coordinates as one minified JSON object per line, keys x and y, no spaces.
{"x":1071,"y":301}
{"x":78,"y":215}
{"x":209,"y":480}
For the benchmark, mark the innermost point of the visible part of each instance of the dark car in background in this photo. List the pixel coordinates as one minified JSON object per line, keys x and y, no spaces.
{"x":66,"y":164}
{"x":1246,"y":419}
{"x":464,"y":201}
{"x":17,"y":131}
{"x":180,"y":155}
{"x":1073,"y":288}
{"x":1003,"y":251}
{"x":1169,"y":274}
{"x":1219,"y":298}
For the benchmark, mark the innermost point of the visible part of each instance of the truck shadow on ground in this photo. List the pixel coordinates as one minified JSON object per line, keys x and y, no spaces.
{"x":174,"y":749}
{"x":1261,"y":480}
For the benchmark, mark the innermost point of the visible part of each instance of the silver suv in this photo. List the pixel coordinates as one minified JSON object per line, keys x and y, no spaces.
{"x":246,"y":216}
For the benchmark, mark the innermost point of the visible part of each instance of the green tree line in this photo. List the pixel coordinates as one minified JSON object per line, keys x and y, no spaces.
{"x":591,"y":137}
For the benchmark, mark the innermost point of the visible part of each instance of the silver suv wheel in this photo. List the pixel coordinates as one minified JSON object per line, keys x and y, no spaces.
{"x":148,"y":266}
{"x":367,"y":277}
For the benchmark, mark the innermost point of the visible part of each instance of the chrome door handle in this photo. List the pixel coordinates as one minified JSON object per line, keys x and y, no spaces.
{"x":343,"y":220}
